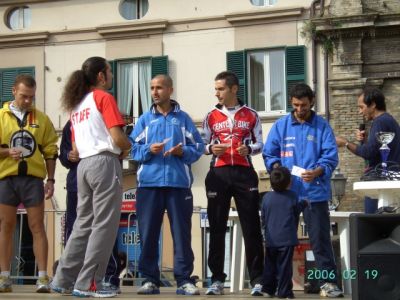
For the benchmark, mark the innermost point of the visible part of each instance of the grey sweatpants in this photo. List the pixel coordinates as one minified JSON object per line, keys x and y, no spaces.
{"x":89,"y":247}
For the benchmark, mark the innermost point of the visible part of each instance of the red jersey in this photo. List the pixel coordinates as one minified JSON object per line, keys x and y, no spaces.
{"x":241,"y":128}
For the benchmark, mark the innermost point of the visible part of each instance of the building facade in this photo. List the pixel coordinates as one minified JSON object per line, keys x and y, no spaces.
{"x":364,"y":36}
{"x":191,"y":40}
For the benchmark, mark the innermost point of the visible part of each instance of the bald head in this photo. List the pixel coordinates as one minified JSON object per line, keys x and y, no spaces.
{"x":165,"y":79}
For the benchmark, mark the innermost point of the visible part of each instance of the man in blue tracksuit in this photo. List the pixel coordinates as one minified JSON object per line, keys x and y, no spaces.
{"x":304,"y":142}
{"x":165,"y":142}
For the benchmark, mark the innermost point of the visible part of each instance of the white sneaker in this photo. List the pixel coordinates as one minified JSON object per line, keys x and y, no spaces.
{"x":330,"y":290}
{"x":188,"y":289}
{"x":216,"y":288}
{"x":257,"y":290}
{"x":148,"y":288}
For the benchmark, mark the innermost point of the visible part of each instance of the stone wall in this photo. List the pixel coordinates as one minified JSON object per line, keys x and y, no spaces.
{"x":366,"y":35}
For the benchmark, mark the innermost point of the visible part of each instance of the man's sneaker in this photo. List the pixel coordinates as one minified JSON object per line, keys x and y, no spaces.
{"x":216,"y":288}
{"x":107,"y":286}
{"x":257,"y":290}
{"x":148,"y":288}
{"x":60,"y":290}
{"x":42,"y":284}
{"x":188,"y":289}
{"x":93,"y":294}
{"x":5,"y":284}
{"x":330,"y":290}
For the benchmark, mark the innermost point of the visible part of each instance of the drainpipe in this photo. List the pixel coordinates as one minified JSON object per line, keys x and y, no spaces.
{"x":327,"y":110}
{"x":313,"y":52}
{"x":314,"y":59}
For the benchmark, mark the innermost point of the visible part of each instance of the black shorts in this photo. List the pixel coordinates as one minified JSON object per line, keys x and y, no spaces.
{"x":27,"y":190}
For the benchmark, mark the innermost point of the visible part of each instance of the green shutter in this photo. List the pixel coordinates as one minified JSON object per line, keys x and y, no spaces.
{"x":113,"y":89}
{"x":159,"y":65}
{"x":236,"y":63}
{"x":7,"y":78}
{"x":295,"y":69}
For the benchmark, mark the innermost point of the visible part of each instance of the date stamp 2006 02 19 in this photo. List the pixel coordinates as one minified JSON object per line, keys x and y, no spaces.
{"x":350,"y":274}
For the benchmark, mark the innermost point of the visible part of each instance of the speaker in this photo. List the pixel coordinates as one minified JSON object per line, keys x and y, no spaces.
{"x":374,"y":257}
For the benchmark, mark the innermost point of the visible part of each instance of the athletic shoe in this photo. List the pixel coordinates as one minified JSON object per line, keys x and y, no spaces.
{"x":216,"y":288}
{"x":148,"y":288}
{"x":330,"y":290}
{"x":60,"y":290}
{"x":42,"y":284}
{"x":93,"y":294}
{"x":107,"y":286}
{"x":257,"y":290}
{"x":5,"y":284}
{"x":188,"y":289}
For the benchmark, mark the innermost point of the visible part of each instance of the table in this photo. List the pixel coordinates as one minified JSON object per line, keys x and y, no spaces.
{"x":387,"y":191}
{"x":238,"y":265}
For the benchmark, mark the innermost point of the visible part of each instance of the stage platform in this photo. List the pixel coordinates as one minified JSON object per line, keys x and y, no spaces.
{"x":26,"y":292}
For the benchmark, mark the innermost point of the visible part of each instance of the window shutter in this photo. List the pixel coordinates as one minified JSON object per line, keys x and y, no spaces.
{"x":236,"y":63}
{"x":295,"y":69}
{"x":7,"y":78}
{"x":113,"y":89}
{"x":159,"y":65}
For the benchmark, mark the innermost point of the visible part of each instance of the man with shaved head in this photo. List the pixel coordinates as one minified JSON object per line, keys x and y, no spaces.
{"x":165,"y":142}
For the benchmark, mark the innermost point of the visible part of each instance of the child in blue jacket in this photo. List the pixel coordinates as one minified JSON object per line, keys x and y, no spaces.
{"x":280,"y":217}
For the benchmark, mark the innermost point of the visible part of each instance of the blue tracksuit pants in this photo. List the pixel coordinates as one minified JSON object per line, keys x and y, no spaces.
{"x":316,"y":217}
{"x":151,"y":204}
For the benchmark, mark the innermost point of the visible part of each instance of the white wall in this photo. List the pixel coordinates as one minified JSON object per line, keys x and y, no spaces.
{"x":78,"y":14}
{"x":60,"y":61}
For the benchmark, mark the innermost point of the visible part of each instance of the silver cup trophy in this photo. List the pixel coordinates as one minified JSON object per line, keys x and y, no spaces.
{"x":384,"y":138}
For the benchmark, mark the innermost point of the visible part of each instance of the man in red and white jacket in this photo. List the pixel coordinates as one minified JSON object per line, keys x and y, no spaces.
{"x":232,"y":132}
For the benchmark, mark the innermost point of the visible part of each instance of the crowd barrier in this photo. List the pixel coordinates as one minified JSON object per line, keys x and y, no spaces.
{"x":24,"y":268}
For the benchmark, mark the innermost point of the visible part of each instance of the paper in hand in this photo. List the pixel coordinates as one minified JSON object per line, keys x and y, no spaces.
{"x":297,"y":171}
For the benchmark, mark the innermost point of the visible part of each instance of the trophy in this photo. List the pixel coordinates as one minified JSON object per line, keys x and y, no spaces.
{"x":384,"y":138}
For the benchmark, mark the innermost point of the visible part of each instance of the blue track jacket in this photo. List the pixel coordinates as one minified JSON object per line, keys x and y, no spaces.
{"x":157,"y":170}
{"x":307,"y":145}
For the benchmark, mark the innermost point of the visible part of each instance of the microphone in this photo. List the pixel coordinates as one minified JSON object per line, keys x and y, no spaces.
{"x":361,"y":127}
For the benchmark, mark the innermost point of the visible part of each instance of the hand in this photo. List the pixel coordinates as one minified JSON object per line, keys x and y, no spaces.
{"x":49,"y":189}
{"x":124,"y":153}
{"x":15,"y":153}
{"x":157,"y":148}
{"x":176,"y":150}
{"x":219,"y":149}
{"x":310,"y":175}
{"x":73,"y":156}
{"x":360,"y":135}
{"x":341,"y":141}
{"x":243,"y":150}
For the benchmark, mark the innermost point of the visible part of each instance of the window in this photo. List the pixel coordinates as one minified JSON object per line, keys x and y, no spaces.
{"x":266,"y":80}
{"x":133,"y":9}
{"x":266,"y":76}
{"x":263,"y":2}
{"x":7,"y":78}
{"x":131,"y":85}
{"x":19,"y":18}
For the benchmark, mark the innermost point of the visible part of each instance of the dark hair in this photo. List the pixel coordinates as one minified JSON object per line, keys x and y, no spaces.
{"x":229,"y":77}
{"x":167,"y":80}
{"x":26,"y":80}
{"x":301,"y":90}
{"x":280,"y":179}
{"x":374,"y":95}
{"x":80,"y":81}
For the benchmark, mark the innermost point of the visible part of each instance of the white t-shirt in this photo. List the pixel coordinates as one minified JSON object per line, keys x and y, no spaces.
{"x":91,"y":121}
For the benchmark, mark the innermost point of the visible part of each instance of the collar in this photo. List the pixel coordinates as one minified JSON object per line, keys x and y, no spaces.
{"x":309,"y":120}
{"x":220,"y":106}
{"x":175,"y":107}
